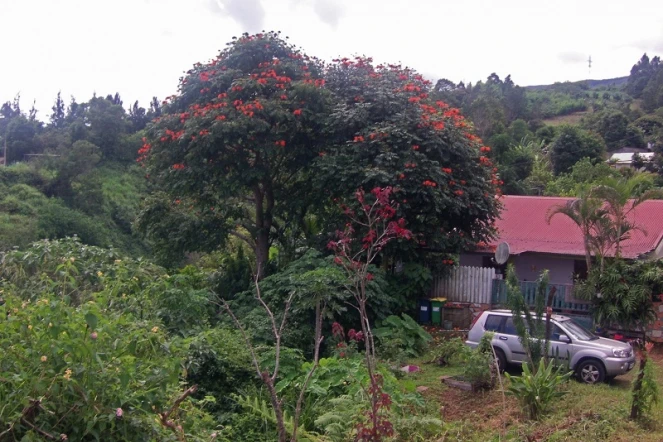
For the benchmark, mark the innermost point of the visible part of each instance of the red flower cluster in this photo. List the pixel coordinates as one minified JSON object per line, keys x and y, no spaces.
{"x":448,"y":262}
{"x":410,"y":165}
{"x":144,"y":150}
{"x":355,"y":335}
{"x":459,"y":192}
{"x":280,"y":143}
{"x":446,"y":170}
{"x":485,"y":149}
{"x":178,"y":166}
{"x":297,"y":112}
{"x":359,"y":139}
{"x":248,"y":108}
{"x":430,"y":183}
{"x":415,"y":147}
{"x":411,"y":87}
{"x":171,"y":135}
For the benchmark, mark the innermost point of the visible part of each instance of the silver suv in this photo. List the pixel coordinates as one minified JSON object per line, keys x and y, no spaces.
{"x":594,"y":359}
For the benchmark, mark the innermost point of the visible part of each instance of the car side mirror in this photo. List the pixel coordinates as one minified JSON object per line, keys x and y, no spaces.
{"x":565,"y":339}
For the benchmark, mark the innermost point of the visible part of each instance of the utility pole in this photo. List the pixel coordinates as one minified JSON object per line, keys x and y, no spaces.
{"x":589,"y":61}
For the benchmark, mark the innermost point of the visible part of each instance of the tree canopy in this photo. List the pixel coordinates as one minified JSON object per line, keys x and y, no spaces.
{"x":387,"y":131}
{"x":238,"y":138}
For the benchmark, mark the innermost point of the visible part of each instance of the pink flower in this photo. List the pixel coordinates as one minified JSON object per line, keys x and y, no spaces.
{"x":119,"y":413}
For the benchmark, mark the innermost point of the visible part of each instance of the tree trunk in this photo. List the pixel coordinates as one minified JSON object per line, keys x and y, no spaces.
{"x":635,"y":408}
{"x":264,"y":200}
{"x":262,"y":253}
{"x":588,"y":253}
{"x":276,"y":404}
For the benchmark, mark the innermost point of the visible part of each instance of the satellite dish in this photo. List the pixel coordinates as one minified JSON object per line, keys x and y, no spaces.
{"x":502,"y":253}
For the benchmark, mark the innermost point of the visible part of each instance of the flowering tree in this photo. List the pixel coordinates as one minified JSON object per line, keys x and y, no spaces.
{"x":388,"y":132}
{"x":366,"y":234}
{"x":235,"y":143}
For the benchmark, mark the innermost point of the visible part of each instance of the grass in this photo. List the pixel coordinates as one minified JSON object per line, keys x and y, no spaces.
{"x":573,"y":119}
{"x":586,"y":413}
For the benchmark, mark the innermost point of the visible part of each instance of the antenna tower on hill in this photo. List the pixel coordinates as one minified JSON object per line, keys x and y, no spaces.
{"x":589,"y":62}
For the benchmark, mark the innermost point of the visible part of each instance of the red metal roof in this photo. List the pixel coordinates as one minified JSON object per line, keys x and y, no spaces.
{"x":522,"y":224}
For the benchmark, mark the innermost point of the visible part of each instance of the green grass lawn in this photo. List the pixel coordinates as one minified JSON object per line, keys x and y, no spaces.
{"x":573,"y":119}
{"x":586,"y":413}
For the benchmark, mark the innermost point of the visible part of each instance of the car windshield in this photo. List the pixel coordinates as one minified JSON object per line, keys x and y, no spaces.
{"x":578,"y":331}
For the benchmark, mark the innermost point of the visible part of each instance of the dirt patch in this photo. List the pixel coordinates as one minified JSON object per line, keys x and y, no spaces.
{"x":486,"y":409}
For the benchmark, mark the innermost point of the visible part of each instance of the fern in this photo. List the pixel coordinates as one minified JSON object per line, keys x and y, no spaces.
{"x":262,"y":409}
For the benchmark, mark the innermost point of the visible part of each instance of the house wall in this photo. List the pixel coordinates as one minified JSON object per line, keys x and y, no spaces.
{"x":530,"y":265}
{"x":471,"y":259}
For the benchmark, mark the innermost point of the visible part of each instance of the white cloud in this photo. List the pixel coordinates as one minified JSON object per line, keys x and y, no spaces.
{"x":248,"y":13}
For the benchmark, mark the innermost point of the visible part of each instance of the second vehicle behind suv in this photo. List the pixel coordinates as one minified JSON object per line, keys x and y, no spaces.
{"x":594,"y":359}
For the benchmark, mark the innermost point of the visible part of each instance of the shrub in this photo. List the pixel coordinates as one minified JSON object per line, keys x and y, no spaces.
{"x":89,"y":373}
{"x":402,"y":335}
{"x":450,"y":352}
{"x":537,"y":391}
{"x":219,"y":363}
{"x":644,"y":393}
{"x":480,"y":368}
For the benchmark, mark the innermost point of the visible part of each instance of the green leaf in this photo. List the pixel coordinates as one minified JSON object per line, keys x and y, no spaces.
{"x":91,"y":320}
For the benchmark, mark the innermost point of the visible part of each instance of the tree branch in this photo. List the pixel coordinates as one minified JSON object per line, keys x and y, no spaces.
{"x":245,"y":238}
{"x":166,"y":422}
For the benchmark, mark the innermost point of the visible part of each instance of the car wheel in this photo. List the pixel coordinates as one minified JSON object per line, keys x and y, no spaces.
{"x":590,"y":371}
{"x":501,"y":359}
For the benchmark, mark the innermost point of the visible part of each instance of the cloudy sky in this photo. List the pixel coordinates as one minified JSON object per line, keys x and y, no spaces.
{"x":141,"y":47}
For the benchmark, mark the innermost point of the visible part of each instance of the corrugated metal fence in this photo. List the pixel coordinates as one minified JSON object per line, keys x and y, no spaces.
{"x":465,"y":284}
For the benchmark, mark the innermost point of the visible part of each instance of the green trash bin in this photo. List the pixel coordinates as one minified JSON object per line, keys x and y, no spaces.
{"x":436,"y":309}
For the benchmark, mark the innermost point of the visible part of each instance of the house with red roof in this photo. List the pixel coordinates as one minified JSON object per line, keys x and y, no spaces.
{"x":535,"y":245}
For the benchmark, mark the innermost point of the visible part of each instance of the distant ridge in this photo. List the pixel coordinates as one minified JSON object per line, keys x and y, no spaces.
{"x":591,"y":84}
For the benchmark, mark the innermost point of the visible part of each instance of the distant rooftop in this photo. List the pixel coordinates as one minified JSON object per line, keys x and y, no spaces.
{"x":626,"y":158}
{"x":522,"y":224}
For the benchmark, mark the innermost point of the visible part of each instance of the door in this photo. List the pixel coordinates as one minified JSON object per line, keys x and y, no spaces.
{"x":559,"y":350}
{"x":509,"y":335}
{"x":505,"y":337}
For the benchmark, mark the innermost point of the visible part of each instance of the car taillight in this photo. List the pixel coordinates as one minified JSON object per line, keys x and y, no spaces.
{"x":476,"y":318}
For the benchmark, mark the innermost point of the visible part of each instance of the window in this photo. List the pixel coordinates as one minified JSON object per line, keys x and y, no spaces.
{"x":509,"y":328}
{"x":493,"y":323}
{"x":580,"y":269}
{"x":556,"y":333}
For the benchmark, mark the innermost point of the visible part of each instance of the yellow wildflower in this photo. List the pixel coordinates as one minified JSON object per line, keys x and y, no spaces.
{"x":29,"y":326}
{"x":67,"y":374}
{"x":44,"y":359}
{"x":155,"y":329}
{"x":100,"y":274}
